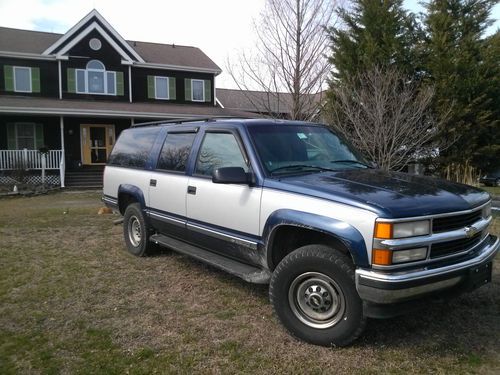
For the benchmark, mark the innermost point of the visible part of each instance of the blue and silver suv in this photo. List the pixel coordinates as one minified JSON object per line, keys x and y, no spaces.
{"x":292,"y":204}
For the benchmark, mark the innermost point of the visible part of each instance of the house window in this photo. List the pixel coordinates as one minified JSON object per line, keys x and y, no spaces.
{"x":25,"y":136}
{"x":21,"y":135}
{"x":198,"y":90}
{"x":161,"y":88}
{"x":95,"y":79}
{"x":22,"y":79}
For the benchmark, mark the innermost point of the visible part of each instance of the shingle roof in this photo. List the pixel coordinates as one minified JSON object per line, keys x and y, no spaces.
{"x":263,"y":102}
{"x":26,"y":41}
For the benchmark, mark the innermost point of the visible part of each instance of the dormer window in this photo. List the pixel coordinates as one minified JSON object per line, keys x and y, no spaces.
{"x":95,"y":79}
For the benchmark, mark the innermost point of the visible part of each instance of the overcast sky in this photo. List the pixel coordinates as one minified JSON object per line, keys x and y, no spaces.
{"x":220,"y":28}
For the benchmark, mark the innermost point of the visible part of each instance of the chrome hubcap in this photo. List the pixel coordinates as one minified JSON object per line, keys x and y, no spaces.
{"x":316,"y":300}
{"x":134,"y":231}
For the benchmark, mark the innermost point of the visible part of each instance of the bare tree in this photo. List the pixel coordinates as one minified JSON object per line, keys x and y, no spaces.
{"x":289,"y":67}
{"x":387,"y":117}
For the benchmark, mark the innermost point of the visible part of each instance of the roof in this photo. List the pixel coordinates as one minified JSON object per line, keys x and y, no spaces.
{"x":255,"y":101}
{"x":261,"y":101}
{"x":57,"y":107}
{"x":35,"y":42}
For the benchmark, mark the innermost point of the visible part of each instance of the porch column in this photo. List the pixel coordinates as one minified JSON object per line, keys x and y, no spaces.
{"x":62,"y":164}
{"x":132,"y":122}
{"x":130,"y":84}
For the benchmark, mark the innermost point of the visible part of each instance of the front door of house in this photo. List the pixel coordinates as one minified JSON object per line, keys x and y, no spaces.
{"x":96,"y":141}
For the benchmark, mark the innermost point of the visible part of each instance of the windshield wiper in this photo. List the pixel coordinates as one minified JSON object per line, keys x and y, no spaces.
{"x":299,"y":167}
{"x":350,"y":161}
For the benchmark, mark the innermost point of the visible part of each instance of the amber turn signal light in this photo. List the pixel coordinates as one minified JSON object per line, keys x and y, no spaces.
{"x":382,"y":257}
{"x":383,"y":230}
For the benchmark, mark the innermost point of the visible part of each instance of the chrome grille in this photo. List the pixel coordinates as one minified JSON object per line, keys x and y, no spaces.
{"x":450,"y":247}
{"x":447,"y":223}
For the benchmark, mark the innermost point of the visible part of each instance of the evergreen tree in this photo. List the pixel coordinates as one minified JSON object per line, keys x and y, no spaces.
{"x":464,"y":69}
{"x":374,"y":33}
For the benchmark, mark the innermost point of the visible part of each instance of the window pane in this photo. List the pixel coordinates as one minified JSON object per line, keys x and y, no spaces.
{"x":95,"y":64}
{"x":80,"y":81}
{"x":219,"y":150}
{"x":23,"y":79}
{"x":175,"y":151}
{"x":25,"y":136}
{"x":161,"y":86}
{"x":111,"y":83}
{"x":133,"y":146}
{"x":96,"y":82}
{"x":198,"y":90}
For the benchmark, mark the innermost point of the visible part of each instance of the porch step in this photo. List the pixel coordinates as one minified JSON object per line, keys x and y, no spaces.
{"x":86,"y":177}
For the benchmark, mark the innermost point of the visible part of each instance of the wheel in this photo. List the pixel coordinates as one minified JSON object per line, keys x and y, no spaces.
{"x":136,"y":231}
{"x":314,"y":296}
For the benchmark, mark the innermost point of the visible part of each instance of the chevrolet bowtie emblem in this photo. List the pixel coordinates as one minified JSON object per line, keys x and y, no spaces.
{"x":471,"y":231}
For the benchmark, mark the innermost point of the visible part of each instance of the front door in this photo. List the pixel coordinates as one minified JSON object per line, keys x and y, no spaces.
{"x":97,"y":141}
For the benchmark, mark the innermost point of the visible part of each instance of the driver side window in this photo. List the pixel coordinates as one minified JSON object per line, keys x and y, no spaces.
{"x":219,"y":150}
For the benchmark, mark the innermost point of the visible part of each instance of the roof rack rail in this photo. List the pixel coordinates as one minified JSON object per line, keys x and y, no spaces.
{"x":187,"y":119}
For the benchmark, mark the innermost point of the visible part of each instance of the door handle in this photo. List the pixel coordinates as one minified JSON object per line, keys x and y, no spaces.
{"x":152,"y":182}
{"x":192,"y":190}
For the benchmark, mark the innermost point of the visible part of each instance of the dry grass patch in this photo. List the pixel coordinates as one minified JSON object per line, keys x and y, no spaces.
{"x":73,"y":301}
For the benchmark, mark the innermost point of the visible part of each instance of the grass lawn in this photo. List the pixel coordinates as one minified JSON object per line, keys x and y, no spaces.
{"x":72,"y":300}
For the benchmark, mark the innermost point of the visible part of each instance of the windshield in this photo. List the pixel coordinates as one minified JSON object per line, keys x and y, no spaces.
{"x":287,"y":149}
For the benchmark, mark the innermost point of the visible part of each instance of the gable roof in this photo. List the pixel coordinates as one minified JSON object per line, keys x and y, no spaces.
{"x":156,"y":55}
{"x":93,"y":21}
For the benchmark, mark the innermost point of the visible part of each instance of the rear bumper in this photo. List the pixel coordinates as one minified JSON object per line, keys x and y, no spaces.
{"x":381,"y":288}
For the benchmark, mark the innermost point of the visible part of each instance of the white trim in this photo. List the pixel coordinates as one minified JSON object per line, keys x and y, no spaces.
{"x":83,"y":21}
{"x":192,"y":91}
{"x":30,"y":90}
{"x":214,"y":97}
{"x":129,"y":83}
{"x":167,"y":79}
{"x":59,"y":72}
{"x":178,"y":67}
{"x":94,"y":26}
{"x":97,"y":113}
{"x":220,"y":103}
{"x":25,"y":55}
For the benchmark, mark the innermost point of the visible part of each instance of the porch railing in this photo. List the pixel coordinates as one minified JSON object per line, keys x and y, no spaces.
{"x":29,"y":159}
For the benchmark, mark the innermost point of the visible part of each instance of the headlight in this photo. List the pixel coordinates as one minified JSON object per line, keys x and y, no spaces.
{"x":410,"y":255}
{"x":402,"y":230}
{"x":385,"y":257}
{"x":487,"y":211}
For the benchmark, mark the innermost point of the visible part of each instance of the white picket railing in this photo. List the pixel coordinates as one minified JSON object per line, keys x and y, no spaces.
{"x":30,"y":159}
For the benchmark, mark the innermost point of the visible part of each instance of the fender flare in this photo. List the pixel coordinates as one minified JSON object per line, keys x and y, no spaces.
{"x":133,"y":191}
{"x":349,"y":236}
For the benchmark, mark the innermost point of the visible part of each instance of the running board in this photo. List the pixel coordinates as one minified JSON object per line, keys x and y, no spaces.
{"x":246,"y":272}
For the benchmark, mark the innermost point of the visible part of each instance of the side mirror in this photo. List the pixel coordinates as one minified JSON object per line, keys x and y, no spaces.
{"x":230,"y":175}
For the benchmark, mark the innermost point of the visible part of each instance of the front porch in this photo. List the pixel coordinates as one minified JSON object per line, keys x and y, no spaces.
{"x":58,"y":151}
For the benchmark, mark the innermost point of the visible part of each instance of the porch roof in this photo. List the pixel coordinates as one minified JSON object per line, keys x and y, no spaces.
{"x":67,"y":107}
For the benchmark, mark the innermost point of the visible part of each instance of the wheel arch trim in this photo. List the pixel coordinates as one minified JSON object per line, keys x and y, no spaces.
{"x":349,"y":236}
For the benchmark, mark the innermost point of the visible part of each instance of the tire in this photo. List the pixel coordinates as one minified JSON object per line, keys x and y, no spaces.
{"x":314,"y":296}
{"x":136,"y":231}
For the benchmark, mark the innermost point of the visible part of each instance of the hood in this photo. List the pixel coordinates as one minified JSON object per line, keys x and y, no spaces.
{"x":389,"y":194}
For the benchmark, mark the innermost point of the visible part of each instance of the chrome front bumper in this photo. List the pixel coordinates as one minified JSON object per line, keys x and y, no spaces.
{"x":393,"y":287}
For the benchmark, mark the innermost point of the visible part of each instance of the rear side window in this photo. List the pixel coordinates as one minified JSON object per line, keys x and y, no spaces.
{"x":175,"y":151}
{"x":133,"y":147}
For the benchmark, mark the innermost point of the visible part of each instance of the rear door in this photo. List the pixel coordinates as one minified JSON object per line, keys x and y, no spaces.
{"x":223,"y":217}
{"x":168,"y":184}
